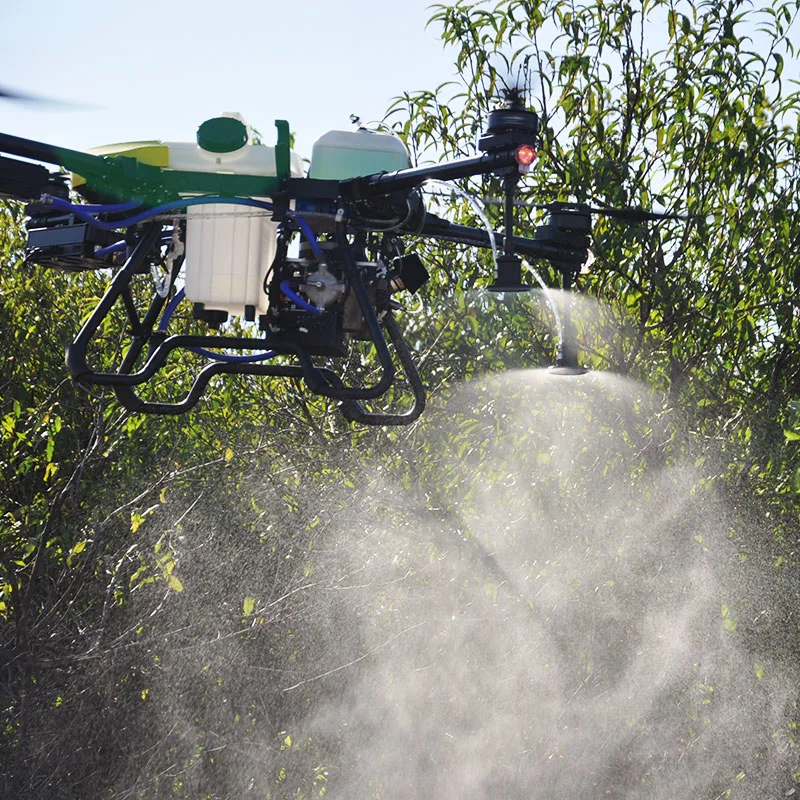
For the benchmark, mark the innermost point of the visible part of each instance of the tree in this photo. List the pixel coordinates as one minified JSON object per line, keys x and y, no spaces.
{"x":97,"y":514}
{"x":255,"y":600}
{"x":700,"y":122}
{"x":678,"y":106}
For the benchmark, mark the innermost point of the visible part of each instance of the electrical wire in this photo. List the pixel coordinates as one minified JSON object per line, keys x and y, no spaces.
{"x":384,"y":225}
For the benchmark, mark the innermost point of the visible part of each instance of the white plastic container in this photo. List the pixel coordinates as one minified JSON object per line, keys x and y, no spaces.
{"x":229,"y":248}
{"x":338,"y":155}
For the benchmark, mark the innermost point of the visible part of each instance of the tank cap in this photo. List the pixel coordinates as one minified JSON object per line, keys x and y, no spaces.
{"x":222,"y":135}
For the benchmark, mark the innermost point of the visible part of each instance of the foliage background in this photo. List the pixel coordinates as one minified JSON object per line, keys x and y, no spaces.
{"x":164,"y":581}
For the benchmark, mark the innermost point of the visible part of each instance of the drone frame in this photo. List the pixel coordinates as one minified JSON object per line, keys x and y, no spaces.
{"x":510,"y":140}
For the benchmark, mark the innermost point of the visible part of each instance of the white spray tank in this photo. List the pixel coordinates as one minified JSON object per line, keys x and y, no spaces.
{"x":338,"y":155}
{"x":229,"y":248}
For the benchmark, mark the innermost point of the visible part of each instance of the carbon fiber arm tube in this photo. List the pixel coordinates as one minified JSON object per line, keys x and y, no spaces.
{"x":404,"y":179}
{"x":438,"y":228}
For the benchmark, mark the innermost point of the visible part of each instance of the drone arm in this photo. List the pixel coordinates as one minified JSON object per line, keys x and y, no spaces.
{"x":21,"y":180}
{"x":127,"y":178}
{"x":438,"y":228}
{"x":47,"y":153}
{"x":406,"y":179}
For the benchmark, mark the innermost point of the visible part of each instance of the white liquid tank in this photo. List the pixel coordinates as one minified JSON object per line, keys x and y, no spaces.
{"x":229,"y":248}
{"x":338,"y":155}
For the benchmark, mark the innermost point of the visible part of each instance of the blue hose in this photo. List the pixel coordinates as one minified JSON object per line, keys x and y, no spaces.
{"x":79,"y":211}
{"x":267,"y":354}
{"x":86,"y":213}
{"x":309,"y":234}
{"x":167,"y":315}
{"x":110,"y":208}
{"x":170,"y":310}
{"x":112,"y":248}
{"x":117,"y":246}
{"x":297,"y":300}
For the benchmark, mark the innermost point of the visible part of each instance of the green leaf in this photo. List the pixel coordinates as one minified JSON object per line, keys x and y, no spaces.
{"x":778,"y":66}
{"x":77,"y":549}
{"x":136,"y":521}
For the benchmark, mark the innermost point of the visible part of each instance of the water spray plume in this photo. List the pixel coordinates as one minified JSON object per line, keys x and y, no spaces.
{"x":536,"y":599}
{"x":549,"y":622}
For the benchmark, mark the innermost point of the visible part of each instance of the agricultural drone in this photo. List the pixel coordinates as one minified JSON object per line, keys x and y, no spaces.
{"x":217,"y":224}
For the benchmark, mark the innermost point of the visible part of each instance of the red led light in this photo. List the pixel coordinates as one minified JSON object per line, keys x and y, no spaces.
{"x":525,"y":155}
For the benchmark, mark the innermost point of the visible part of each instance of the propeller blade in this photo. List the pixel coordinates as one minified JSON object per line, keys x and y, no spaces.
{"x":635,"y":214}
{"x":23,"y":97}
{"x":632,"y":214}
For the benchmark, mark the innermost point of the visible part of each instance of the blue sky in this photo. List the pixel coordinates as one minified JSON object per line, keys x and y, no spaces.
{"x":156,"y":70}
{"x":150,"y":69}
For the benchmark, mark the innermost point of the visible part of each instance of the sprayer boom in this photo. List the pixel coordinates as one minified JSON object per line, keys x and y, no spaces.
{"x":309,"y":263}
